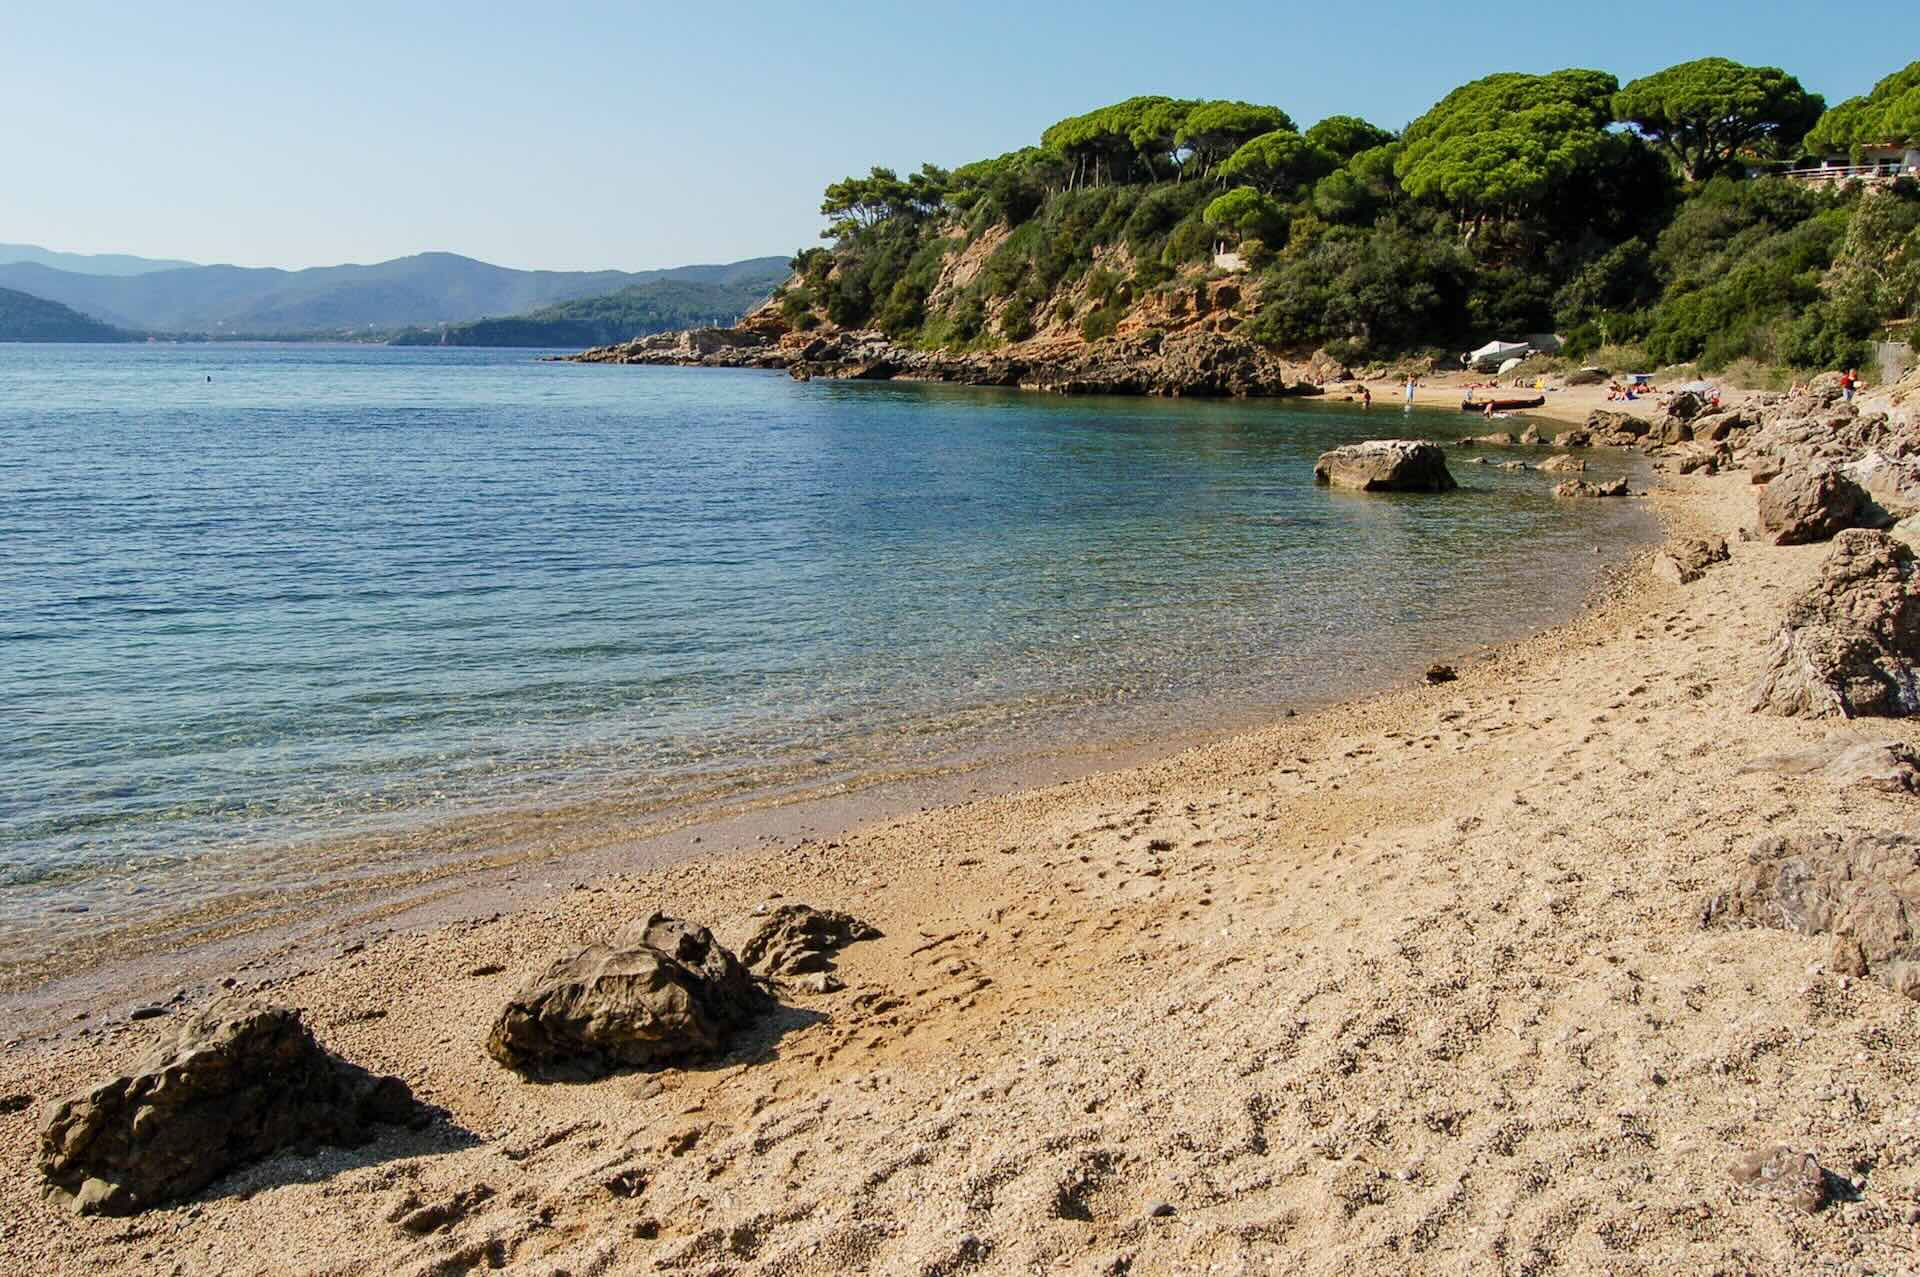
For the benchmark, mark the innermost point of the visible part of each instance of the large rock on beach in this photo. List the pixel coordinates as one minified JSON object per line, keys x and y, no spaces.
{"x":663,"y":990}
{"x":799,"y":939}
{"x":1616,"y":429}
{"x":1386,"y":465}
{"x":1798,"y":507}
{"x":1687,"y":560}
{"x":237,"y":1082}
{"x":1861,"y":889}
{"x":1850,"y":646}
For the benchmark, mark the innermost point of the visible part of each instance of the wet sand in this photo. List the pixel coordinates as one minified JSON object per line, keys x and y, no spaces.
{"x":1411,"y":983}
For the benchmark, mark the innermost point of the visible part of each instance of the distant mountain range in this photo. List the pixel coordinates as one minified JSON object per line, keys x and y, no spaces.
{"x":25,"y":318}
{"x":692,"y":298}
{"x":428,"y":290}
{"x":87,"y":263}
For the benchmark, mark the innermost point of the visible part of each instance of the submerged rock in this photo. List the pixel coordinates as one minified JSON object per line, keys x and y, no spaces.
{"x":663,"y":990}
{"x":1386,"y":465}
{"x":1581,"y":488}
{"x":1563,"y":465}
{"x":1850,"y":646}
{"x":235,"y":1083}
{"x":798,"y":939}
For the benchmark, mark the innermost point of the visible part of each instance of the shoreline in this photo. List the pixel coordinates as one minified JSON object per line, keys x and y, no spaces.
{"x":441,"y":870}
{"x":1416,"y":981}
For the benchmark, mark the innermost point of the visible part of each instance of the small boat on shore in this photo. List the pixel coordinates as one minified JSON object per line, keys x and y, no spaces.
{"x":1501,"y":405}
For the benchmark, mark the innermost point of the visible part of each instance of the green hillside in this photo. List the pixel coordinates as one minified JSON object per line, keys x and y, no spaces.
{"x":1649,"y":217}
{"x":27,"y":318}
{"x":653,"y":307}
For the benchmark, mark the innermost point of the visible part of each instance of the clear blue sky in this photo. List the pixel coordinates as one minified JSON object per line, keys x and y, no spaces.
{"x":637,"y":135}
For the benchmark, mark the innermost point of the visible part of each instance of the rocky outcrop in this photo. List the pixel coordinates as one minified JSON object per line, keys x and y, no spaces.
{"x":1616,"y":429}
{"x":799,"y":939}
{"x":1199,"y":362}
{"x":1686,"y":561}
{"x":1860,"y":889}
{"x":1386,"y":465}
{"x":1850,"y":646}
{"x":1563,"y":465}
{"x":1573,"y":439}
{"x":1803,"y":506}
{"x":237,"y":1082}
{"x":1581,"y":488}
{"x":662,"y":990}
{"x":1323,"y":368}
{"x":1889,"y":484}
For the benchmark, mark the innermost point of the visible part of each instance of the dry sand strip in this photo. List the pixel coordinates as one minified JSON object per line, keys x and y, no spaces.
{"x":1417,"y":984}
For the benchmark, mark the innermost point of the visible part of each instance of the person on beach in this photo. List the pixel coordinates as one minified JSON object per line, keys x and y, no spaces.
{"x":1849,"y":382}
{"x":1412,"y":381}
{"x":1366,"y":397}
{"x":1488,"y":414}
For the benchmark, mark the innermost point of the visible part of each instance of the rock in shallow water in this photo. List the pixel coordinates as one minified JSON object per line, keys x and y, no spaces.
{"x":1386,"y":465}
{"x":237,"y":1082}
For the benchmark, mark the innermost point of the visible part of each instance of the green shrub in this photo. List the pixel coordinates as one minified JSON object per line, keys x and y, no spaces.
{"x":1100,"y":322}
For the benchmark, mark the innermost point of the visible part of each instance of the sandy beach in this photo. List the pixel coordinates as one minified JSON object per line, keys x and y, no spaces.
{"x":1417,"y":983}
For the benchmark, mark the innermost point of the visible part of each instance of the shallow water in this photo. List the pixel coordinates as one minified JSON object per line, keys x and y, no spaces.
{"x":336,"y":590}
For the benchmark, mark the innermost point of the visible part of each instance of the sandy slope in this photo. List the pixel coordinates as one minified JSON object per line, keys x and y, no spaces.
{"x":1415,"y":984}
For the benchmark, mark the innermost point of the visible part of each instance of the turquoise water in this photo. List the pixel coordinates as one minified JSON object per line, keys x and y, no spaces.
{"x":335,"y":590}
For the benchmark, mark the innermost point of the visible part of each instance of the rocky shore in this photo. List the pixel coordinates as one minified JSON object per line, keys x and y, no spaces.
{"x":1595,"y":953}
{"x":1196,"y":363}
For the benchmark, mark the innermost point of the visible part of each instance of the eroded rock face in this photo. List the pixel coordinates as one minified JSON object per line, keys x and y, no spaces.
{"x":664,"y":990}
{"x":237,"y":1082}
{"x":799,"y":939}
{"x":1799,"y":507}
{"x":1850,"y":646}
{"x":1686,"y":561}
{"x":1861,"y":889}
{"x":1386,"y":465}
{"x":1616,"y":429}
{"x":1888,"y":766}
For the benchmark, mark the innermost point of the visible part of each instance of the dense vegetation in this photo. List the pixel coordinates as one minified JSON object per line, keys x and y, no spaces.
{"x":27,"y":318}
{"x":638,"y":310}
{"x":1648,"y":214}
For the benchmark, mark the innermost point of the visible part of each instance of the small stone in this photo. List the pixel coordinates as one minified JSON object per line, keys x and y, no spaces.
{"x":147,"y":1013}
{"x":1160,"y":1210}
{"x":1441,"y":674}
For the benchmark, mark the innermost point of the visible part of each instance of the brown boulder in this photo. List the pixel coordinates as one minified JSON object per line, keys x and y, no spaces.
{"x":1573,"y":439}
{"x":237,"y":1082}
{"x":1386,"y":465}
{"x":1851,"y":644}
{"x":1563,"y":465}
{"x":1684,"y":562}
{"x":1799,"y":507}
{"x":664,"y":990}
{"x":1888,"y":766}
{"x":798,"y":939}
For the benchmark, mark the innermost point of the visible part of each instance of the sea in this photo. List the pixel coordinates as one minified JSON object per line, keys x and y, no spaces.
{"x":261,"y":601}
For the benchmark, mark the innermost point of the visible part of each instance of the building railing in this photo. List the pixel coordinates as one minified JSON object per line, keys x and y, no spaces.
{"x":1850,"y":172}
